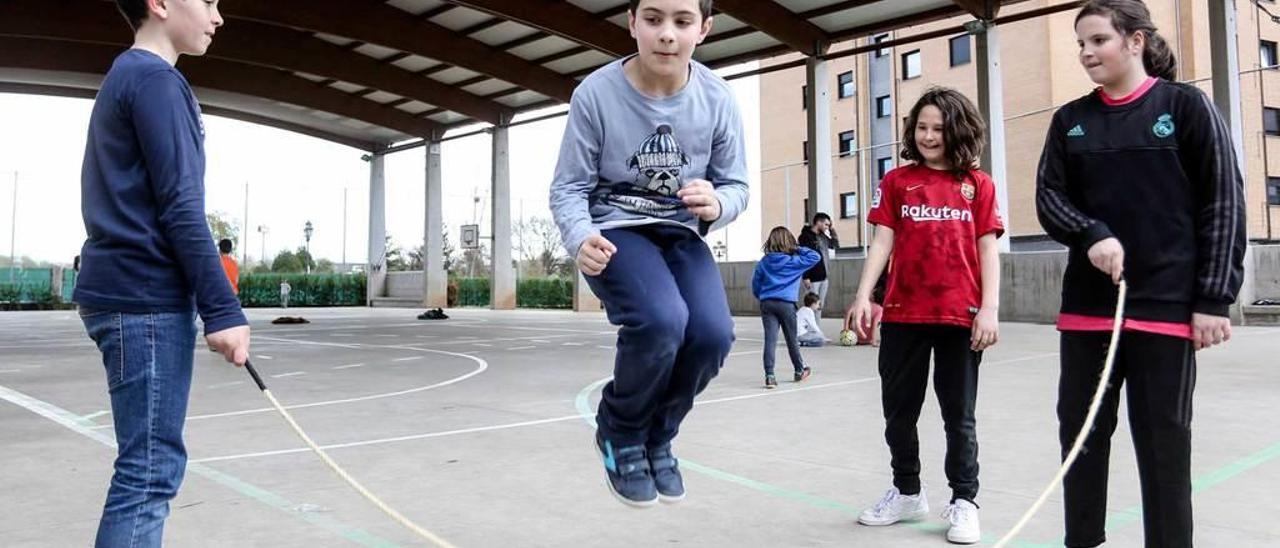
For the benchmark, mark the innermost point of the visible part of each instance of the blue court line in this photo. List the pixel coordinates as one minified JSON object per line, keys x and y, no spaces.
{"x":83,"y":427}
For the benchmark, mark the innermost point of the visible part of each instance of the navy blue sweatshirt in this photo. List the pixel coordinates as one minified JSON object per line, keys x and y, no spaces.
{"x":142,"y":199}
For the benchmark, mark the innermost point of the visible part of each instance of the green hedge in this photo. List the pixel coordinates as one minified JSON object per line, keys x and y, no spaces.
{"x":29,"y":296}
{"x":544,"y":293}
{"x":473,"y":291}
{"x":262,"y":290}
{"x":530,"y":292}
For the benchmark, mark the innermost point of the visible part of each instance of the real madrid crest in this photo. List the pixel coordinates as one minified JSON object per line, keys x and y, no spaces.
{"x":967,"y":190}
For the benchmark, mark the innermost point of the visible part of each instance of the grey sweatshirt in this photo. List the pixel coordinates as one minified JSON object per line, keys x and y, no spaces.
{"x":624,"y":155}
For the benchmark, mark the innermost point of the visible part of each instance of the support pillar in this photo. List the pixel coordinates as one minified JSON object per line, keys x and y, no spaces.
{"x":502,"y":283}
{"x":434,"y":277}
{"x":991,"y":103}
{"x":818,"y":97}
{"x":376,"y":264}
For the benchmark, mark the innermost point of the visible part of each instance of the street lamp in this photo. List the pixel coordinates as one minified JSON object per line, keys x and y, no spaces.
{"x":263,"y":230}
{"x":307,"y":233}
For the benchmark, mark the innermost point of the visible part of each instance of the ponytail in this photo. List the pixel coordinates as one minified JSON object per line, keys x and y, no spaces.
{"x":1158,"y":58}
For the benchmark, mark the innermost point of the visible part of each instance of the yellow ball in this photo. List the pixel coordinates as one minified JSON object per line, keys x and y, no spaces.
{"x":848,"y":337}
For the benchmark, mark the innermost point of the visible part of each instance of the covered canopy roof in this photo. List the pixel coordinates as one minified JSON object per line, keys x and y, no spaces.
{"x":368,"y":73}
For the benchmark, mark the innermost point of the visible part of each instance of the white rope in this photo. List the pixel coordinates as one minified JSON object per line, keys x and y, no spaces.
{"x":428,"y":535}
{"x":1096,"y":404}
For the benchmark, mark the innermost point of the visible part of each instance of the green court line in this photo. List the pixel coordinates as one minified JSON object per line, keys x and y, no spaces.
{"x":83,"y":427}
{"x":583,"y":406}
{"x":1114,"y":521}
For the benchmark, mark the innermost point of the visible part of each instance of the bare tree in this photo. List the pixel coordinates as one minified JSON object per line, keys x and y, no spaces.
{"x":537,"y":244}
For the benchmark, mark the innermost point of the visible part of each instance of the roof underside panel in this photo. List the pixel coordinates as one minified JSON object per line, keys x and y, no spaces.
{"x":477,"y":60}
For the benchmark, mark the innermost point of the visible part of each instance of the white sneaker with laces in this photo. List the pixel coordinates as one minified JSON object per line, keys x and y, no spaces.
{"x":963,"y":516}
{"x":895,"y":507}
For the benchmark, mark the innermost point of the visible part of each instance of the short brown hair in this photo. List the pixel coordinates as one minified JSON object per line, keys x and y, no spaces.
{"x":963,"y":130}
{"x":780,"y":241}
{"x":811,"y":298}
{"x":704,"y":6}
{"x":134,"y":11}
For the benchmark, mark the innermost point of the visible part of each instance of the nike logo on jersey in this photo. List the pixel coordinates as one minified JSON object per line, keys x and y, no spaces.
{"x":913,"y":187}
{"x":1077,"y":131}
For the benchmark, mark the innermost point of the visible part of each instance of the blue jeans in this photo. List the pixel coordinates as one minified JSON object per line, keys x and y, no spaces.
{"x":664,"y":291}
{"x":775,"y":313}
{"x":148,"y":360}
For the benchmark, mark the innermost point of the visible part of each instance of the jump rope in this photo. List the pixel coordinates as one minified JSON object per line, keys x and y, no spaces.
{"x":1096,"y":404}
{"x":420,"y":531}
{"x":1092,"y":416}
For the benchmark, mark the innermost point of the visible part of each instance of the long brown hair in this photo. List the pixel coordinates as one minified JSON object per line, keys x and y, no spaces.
{"x":1128,"y":17}
{"x":780,"y":241}
{"x":963,"y":131}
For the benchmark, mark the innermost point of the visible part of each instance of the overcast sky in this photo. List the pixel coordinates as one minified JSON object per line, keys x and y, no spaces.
{"x":293,"y":178}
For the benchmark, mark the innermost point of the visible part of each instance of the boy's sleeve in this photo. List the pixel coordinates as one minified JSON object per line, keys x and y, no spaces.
{"x":168,"y":131}
{"x":1207,"y":151}
{"x":985,"y":208}
{"x":727,"y":167}
{"x":576,"y":173}
{"x":883,"y":210}
{"x":1061,"y":219}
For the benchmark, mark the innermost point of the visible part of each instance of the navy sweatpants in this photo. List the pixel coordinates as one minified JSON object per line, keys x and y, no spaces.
{"x":663,"y":289}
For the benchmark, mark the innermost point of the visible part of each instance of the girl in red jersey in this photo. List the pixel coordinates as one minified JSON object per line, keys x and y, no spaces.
{"x":938,"y":217}
{"x":1138,"y":179}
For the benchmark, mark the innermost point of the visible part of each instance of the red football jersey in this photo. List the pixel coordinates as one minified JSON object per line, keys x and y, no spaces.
{"x":935,"y":276}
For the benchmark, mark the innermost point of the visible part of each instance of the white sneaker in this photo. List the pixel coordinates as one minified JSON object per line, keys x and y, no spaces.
{"x":895,"y":507}
{"x":963,"y":516}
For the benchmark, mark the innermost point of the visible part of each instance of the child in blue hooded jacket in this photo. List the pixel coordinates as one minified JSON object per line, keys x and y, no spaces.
{"x":776,"y":283}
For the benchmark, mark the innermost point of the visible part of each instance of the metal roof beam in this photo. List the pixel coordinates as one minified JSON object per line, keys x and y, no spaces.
{"x":779,"y":22}
{"x":562,"y":19}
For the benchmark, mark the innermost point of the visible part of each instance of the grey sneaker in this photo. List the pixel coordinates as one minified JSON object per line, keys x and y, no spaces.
{"x":666,"y":473}
{"x":628,"y":473}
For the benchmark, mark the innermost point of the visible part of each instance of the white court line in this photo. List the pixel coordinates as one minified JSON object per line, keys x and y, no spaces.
{"x":540,"y":341}
{"x":412,"y":437}
{"x":571,"y":344}
{"x":349,"y":366}
{"x":9,"y":370}
{"x":605,"y":347}
{"x":522,"y":348}
{"x":225,"y":384}
{"x":95,"y":415}
{"x":262,"y":357}
{"x":409,"y":359}
{"x":481,"y":366}
{"x":293,"y":374}
{"x":483,"y":344}
{"x":537,"y":422}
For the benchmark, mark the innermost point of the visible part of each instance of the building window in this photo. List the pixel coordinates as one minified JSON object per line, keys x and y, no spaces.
{"x":911,"y":65}
{"x":806,"y":151}
{"x":878,"y":39}
{"x":1271,"y":120}
{"x":847,"y":143}
{"x":804,"y":97}
{"x":883,"y":107}
{"x":960,"y":54}
{"x":1273,"y":191}
{"x":846,"y":85}
{"x":1268,"y":53}
{"x":848,"y":205}
{"x":883,"y":165}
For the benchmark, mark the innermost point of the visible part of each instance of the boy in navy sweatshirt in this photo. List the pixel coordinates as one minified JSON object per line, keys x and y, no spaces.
{"x":149,"y":263}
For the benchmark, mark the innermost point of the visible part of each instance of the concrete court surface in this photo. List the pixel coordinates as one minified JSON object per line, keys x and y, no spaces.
{"x":477,"y":428}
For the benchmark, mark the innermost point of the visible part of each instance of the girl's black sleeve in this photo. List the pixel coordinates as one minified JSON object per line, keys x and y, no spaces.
{"x":1210,"y":161}
{"x":1061,"y":219}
